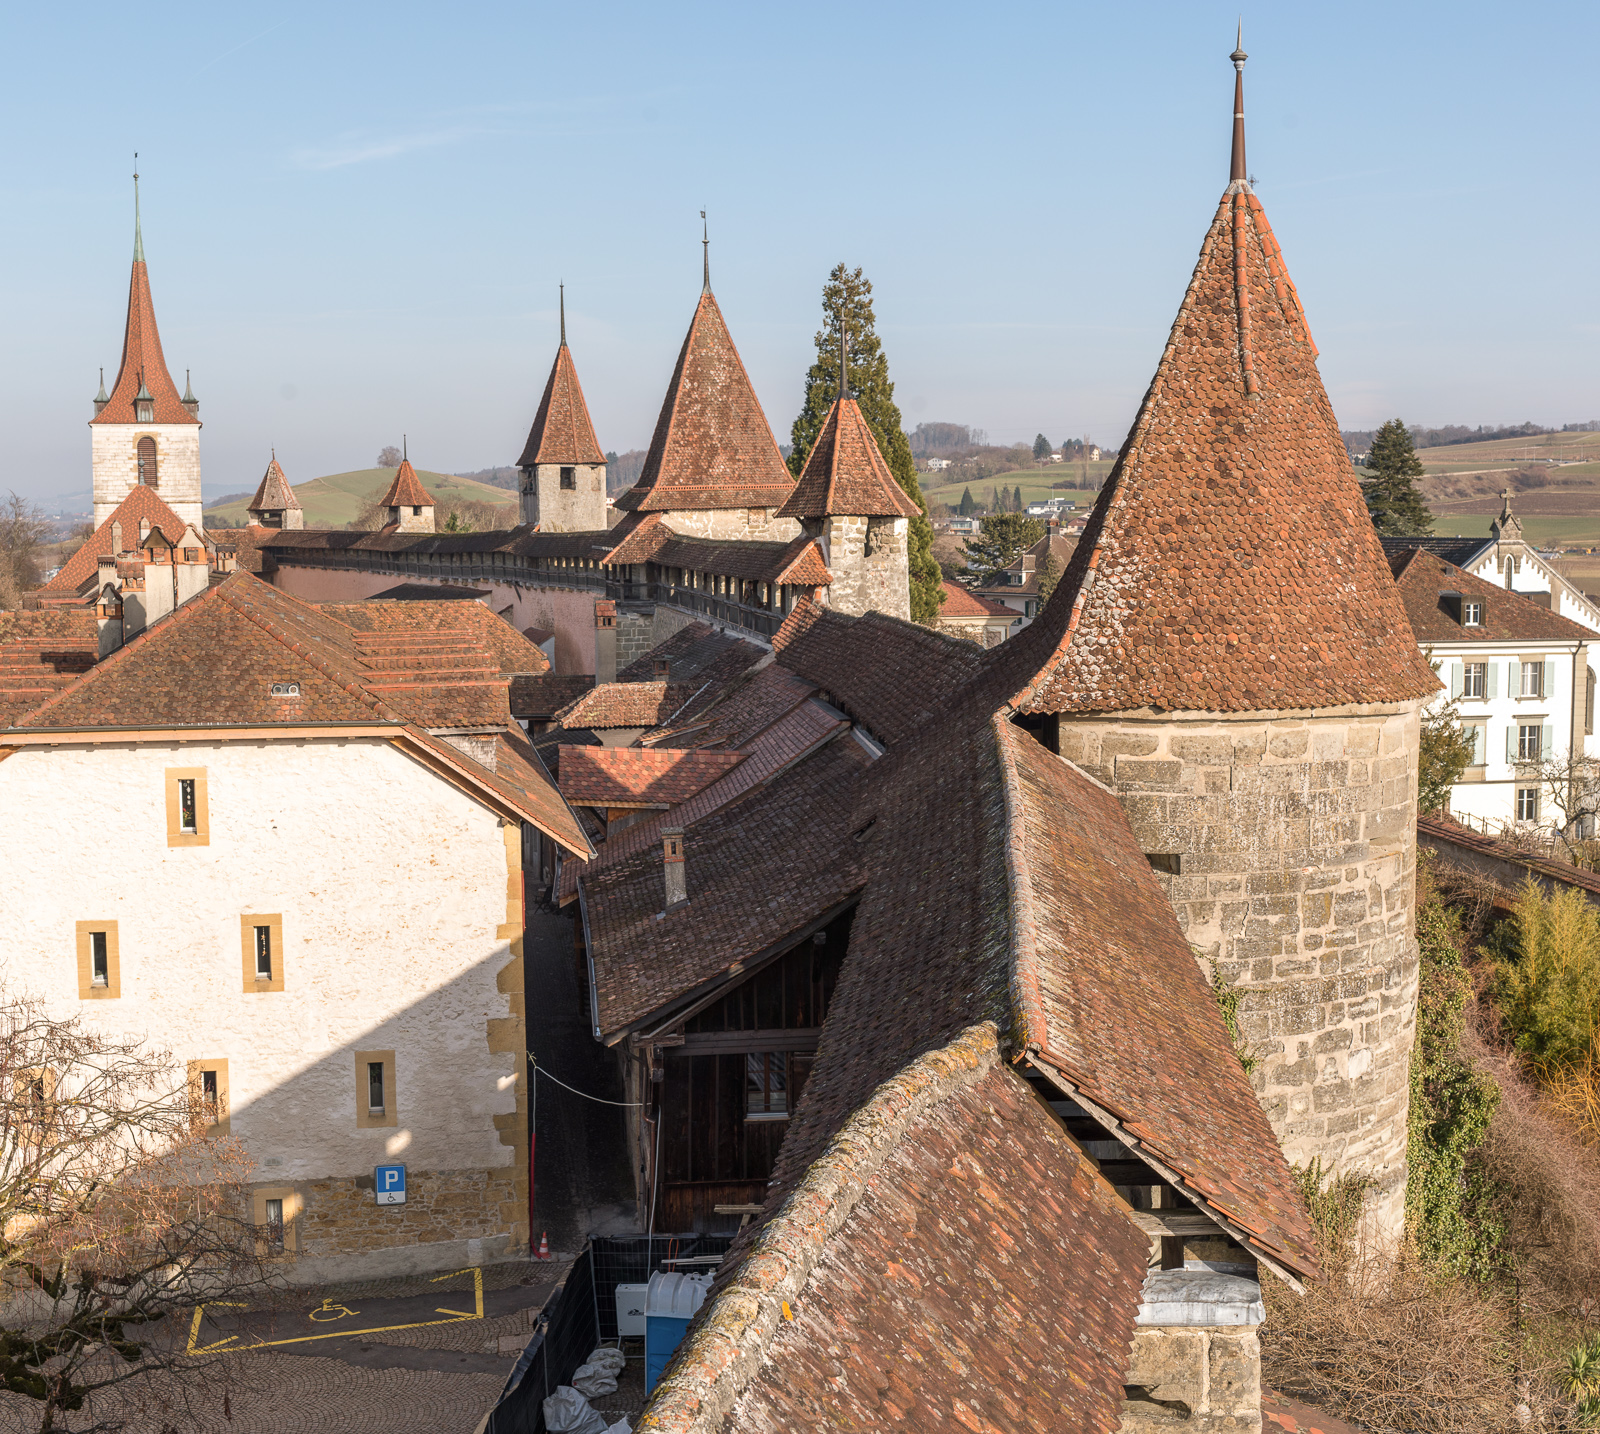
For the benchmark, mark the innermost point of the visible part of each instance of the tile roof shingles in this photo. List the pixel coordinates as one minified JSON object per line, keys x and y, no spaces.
{"x":1422,"y":576}
{"x":143,"y":362}
{"x":562,"y":431}
{"x":845,"y":473}
{"x":639,"y":777}
{"x":141,"y":504}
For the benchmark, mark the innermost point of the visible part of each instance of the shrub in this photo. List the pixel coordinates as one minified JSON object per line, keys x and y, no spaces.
{"x":1547,"y":982}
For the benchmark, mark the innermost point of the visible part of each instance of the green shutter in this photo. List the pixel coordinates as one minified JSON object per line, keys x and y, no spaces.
{"x":1549,"y":678}
{"x":1547,"y":738}
{"x":1480,"y":741}
{"x":1455,"y":680}
{"x":1511,"y":743}
{"x":1492,"y":673}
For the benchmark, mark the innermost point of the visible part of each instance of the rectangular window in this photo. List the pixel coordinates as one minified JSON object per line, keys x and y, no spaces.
{"x":208,"y":1096}
{"x":1477,"y":733}
{"x":187,"y":821}
{"x":262,"y":951}
{"x":766,"y":1085}
{"x":569,"y":477}
{"x":99,"y":974}
{"x":1532,"y":679}
{"x":277,"y":1219}
{"x":1528,"y":742}
{"x":1472,"y":614}
{"x":274,"y":1225}
{"x":191,"y":555}
{"x":1473,"y":679}
{"x":377,"y":1095}
{"x":1527,"y":804}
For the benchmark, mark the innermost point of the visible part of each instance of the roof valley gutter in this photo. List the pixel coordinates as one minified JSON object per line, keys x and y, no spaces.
{"x":588,"y":956}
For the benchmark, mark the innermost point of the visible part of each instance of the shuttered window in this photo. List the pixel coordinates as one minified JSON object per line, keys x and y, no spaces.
{"x":147,"y":461}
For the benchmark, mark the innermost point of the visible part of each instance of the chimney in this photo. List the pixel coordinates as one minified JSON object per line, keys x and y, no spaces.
{"x":605,"y":641}
{"x":663,"y":669}
{"x":672,"y":866}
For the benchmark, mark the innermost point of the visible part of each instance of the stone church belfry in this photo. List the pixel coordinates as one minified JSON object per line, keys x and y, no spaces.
{"x":1228,"y":652}
{"x":144,"y":432}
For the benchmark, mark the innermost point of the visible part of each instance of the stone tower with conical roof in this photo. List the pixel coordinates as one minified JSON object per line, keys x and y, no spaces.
{"x":563,"y":487}
{"x":713,"y":469}
{"x":848,"y":500}
{"x":408,"y":506}
{"x":1228,"y":652}
{"x":274,"y":505}
{"x":144,"y":432}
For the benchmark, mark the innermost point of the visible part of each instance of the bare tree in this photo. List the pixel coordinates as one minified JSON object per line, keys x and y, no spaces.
{"x":1570,"y":782}
{"x":119,"y":1207}
{"x":23,"y":530}
{"x":390,"y":457}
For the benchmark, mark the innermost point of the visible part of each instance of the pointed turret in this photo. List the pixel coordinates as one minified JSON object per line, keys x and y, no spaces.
{"x":275,"y":505}
{"x":410,"y":505}
{"x":563,"y":485}
{"x":1229,"y":564}
{"x":712,"y":446}
{"x":101,"y":398}
{"x":190,"y":402}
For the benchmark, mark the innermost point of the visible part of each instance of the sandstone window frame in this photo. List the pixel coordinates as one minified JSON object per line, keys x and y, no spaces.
{"x":366,"y":1117}
{"x":88,"y":988}
{"x":1527,"y":804}
{"x":178,"y":834}
{"x":209,"y":1112}
{"x":1475,"y":681}
{"x":248,"y":921}
{"x":292,"y":1208}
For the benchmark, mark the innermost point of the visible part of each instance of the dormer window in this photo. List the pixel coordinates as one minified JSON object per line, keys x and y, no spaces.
{"x":1472,"y":614}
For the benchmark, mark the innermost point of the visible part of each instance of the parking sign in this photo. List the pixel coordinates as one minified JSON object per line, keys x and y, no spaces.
{"x":389,"y":1183}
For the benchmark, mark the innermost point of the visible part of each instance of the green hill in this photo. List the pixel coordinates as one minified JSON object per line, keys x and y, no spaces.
{"x":338,"y":499}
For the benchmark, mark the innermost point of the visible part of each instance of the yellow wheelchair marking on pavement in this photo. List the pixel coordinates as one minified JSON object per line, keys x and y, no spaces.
{"x":328,"y":1310}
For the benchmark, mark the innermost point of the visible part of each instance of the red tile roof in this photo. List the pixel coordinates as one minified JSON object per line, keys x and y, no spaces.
{"x":142,"y":361}
{"x":1230,"y":564}
{"x":562,"y":431}
{"x":962,"y":602}
{"x":639,"y":777}
{"x":274,"y":491}
{"x":637,"y":538}
{"x":539,"y":698}
{"x":797,"y":562}
{"x":892,"y":676}
{"x":712,"y":447}
{"x":42,"y":652}
{"x":951,"y":1262}
{"x":845,"y":473}
{"x":1422,"y":577}
{"x":1058,"y":547}
{"x":420,"y":625}
{"x":696,"y":651}
{"x":740,"y":713}
{"x":626,"y":704}
{"x":406,"y":491}
{"x":759,"y":873}
{"x":140,"y":504}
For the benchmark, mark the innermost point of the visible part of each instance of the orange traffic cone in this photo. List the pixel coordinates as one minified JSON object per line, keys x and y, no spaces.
{"x":544,"y":1244}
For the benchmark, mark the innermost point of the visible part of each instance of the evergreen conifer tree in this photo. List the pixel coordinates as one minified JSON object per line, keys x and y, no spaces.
{"x":1041,"y":447}
{"x":968,"y":506}
{"x":847,"y":298}
{"x":1005,"y":538}
{"x":1016,"y":499}
{"x":1396,"y":507}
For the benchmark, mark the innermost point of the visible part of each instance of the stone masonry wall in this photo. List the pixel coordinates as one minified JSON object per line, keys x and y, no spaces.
{"x":1295,"y":839}
{"x":878,"y":581}
{"x":114,"y":459}
{"x":564,"y":510}
{"x":1201,"y":1380}
{"x":754,"y":523}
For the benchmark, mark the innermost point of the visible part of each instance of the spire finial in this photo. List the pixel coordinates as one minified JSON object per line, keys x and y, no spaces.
{"x":1236,"y":171}
{"x":844,"y":357}
{"x":138,"y":233}
{"x":563,"y":316}
{"x":705,"y":242}
{"x":405,"y":454}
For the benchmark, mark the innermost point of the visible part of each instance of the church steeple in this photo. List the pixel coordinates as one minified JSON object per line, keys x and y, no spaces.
{"x":1237,"y":173}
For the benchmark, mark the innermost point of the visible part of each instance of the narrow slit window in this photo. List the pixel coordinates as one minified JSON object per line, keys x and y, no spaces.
{"x":569,"y":477}
{"x":375,"y":1087}
{"x":187,"y":812}
{"x":263,"y":953}
{"x":99,"y":959}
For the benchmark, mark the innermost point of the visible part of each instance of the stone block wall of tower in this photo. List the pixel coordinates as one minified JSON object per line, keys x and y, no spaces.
{"x":757,"y":524}
{"x":868,"y":560}
{"x":114,"y":456}
{"x":579,"y":509}
{"x":1295,"y":841}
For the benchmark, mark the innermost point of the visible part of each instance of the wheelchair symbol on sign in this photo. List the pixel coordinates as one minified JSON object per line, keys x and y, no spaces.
{"x":327,"y":1310}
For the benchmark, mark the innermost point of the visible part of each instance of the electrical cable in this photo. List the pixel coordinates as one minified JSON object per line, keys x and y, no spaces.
{"x":543,"y":1074}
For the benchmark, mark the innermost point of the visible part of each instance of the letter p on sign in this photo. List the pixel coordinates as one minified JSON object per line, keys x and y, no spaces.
{"x":389,"y":1184}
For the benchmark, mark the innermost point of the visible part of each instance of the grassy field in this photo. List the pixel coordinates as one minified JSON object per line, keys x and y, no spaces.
{"x":1511,"y":452}
{"x":338,"y":499}
{"x":1034,"y":482}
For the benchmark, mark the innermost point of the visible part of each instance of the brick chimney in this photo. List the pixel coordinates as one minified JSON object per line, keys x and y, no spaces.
{"x":663,"y":669}
{"x":672,"y":866}
{"x":605,"y":641}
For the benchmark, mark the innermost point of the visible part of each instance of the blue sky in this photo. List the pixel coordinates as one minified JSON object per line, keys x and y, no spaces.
{"x":356,"y":216}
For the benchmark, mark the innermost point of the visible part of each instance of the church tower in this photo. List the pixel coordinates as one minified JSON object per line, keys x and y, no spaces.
{"x":563,"y":488}
{"x":144,"y":433}
{"x":1227,"y":651}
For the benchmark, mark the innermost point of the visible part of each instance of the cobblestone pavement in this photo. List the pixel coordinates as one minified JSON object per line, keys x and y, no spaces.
{"x":437,"y":1379}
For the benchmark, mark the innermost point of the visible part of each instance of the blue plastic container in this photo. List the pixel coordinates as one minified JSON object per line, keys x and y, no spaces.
{"x":670,"y":1303}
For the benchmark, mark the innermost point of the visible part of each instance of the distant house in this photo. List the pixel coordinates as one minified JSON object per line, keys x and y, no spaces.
{"x":1520,"y":675}
{"x":977,"y":618}
{"x":963,"y":527}
{"x":938,"y":465}
{"x":1017,"y":586}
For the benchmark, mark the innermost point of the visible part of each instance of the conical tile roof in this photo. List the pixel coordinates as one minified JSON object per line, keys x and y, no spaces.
{"x":274,"y":491}
{"x":407,"y":491}
{"x":1229,"y":564}
{"x":712,"y":446}
{"x":845,"y":473}
{"x":562,"y":431}
{"x":142,"y":362}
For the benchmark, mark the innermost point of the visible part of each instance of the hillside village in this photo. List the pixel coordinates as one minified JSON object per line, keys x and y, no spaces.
{"x":846,"y":1021}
